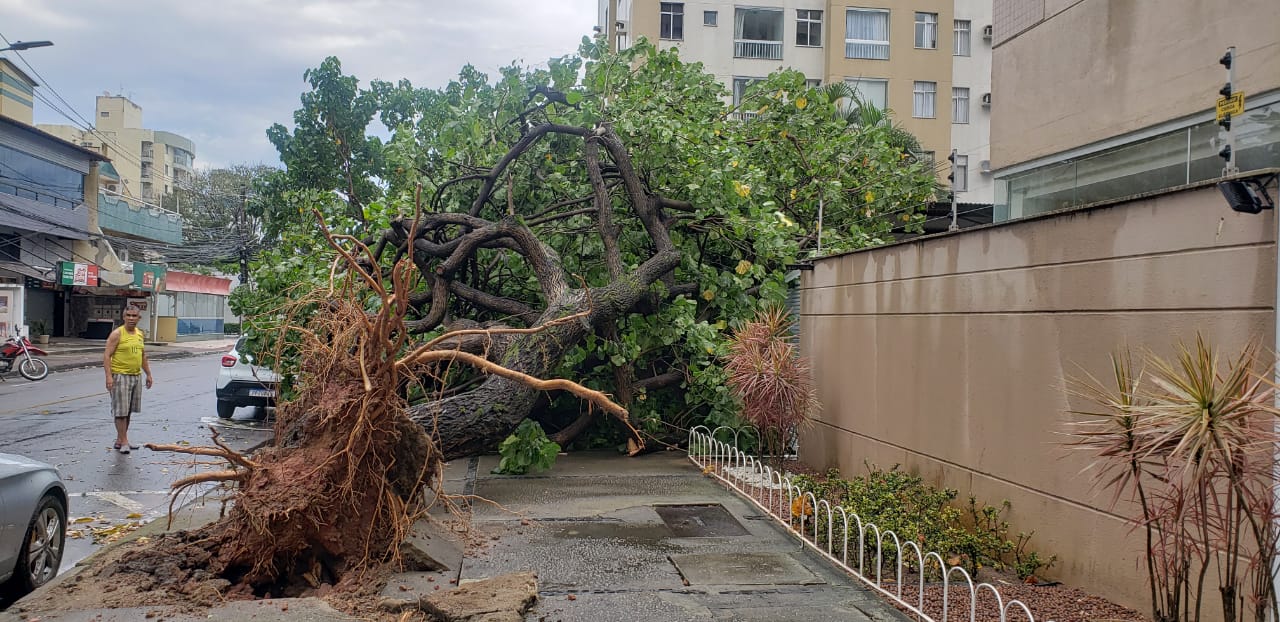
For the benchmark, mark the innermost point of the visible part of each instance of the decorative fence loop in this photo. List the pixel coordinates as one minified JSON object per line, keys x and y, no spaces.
{"x":751,"y":477}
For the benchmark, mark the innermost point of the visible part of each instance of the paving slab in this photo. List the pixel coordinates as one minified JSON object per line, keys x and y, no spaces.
{"x":742,"y":569}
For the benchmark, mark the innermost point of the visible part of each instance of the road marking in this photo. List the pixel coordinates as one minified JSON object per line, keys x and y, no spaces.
{"x":118,"y":499}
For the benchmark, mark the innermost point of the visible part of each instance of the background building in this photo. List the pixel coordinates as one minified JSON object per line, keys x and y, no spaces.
{"x":928,"y":63}
{"x":1098,"y":100}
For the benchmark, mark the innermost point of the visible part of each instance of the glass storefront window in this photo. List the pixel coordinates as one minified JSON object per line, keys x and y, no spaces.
{"x":1180,"y":157}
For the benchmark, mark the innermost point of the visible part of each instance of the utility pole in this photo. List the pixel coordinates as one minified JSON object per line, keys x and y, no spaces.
{"x":952,"y":180}
{"x":241,"y":227}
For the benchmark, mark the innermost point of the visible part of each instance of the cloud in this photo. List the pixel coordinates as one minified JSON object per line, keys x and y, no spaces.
{"x":221,"y":73}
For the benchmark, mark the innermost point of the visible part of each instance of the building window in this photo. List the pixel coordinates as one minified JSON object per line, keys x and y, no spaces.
{"x":866,"y":34}
{"x":959,"y":105}
{"x":10,"y":247}
{"x":923,"y":100}
{"x":757,"y":33}
{"x":709,"y":18}
{"x":808,"y":28}
{"x":960,"y":183}
{"x":813,"y":83}
{"x":961,"y":47}
{"x":870,"y":91}
{"x":104,"y":114}
{"x":672,"y":21}
{"x":927,"y":31}
{"x":740,"y":87}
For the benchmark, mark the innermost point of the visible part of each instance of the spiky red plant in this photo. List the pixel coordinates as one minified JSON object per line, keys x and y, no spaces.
{"x":771,"y":380}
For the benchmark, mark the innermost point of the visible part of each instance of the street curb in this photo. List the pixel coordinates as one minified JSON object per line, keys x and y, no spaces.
{"x":69,"y":365}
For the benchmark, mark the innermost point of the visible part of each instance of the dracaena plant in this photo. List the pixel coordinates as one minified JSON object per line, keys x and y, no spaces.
{"x":770,"y":379}
{"x":1191,"y":440}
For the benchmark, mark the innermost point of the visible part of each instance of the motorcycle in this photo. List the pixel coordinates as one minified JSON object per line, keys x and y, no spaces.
{"x":19,"y":349}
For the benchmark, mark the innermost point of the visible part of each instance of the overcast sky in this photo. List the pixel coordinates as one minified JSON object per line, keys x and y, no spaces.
{"x":221,"y":72}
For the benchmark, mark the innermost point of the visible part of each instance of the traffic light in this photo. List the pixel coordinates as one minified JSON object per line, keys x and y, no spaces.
{"x":1226,"y":60}
{"x":1225,"y":152}
{"x":951,"y":177}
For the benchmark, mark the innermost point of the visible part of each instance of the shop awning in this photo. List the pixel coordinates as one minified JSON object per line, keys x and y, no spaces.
{"x":31,"y":215}
{"x":49,"y":275}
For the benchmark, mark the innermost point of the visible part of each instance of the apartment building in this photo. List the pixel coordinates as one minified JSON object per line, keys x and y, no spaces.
{"x":149,"y":162}
{"x":929,"y":63}
{"x":17,"y":92}
{"x":1098,"y":100}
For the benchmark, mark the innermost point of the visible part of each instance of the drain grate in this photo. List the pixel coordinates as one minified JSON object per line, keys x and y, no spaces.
{"x":700,"y":521}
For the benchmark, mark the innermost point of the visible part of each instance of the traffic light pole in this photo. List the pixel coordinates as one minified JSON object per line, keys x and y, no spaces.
{"x":1228,"y":152}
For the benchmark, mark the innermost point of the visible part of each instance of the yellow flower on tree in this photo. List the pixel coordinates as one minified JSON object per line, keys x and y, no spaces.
{"x":742,"y":189}
{"x":708,"y":295}
{"x":743,"y":267}
{"x":801,"y":103}
{"x":793,"y":194}
{"x":869,"y":196}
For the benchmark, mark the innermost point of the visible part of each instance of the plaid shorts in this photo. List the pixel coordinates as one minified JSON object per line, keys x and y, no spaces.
{"x":126,"y":394}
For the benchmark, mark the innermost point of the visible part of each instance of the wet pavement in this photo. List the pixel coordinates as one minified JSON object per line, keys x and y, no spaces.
{"x":64,"y":420}
{"x":611,"y":539}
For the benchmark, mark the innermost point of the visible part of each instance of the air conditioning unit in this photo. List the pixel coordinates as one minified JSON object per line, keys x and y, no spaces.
{"x":622,"y":27}
{"x":984,"y":166}
{"x":986,"y":32}
{"x":986,"y":100}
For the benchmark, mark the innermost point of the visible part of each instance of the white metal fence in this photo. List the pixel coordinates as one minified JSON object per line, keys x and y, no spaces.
{"x":846,"y":533}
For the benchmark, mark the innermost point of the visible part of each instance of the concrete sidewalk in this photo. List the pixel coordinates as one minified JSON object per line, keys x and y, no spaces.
{"x":610,"y":538}
{"x":74,"y":352}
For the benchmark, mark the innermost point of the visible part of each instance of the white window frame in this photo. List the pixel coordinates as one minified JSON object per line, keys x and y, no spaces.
{"x":962,"y":30}
{"x":879,"y":48}
{"x":924,"y":99}
{"x":810,"y":26}
{"x":710,"y":18}
{"x":960,"y":181}
{"x":959,"y":104}
{"x":670,"y":13}
{"x":881,"y":83}
{"x":740,"y":85}
{"x":769,"y":49}
{"x":926,"y":31}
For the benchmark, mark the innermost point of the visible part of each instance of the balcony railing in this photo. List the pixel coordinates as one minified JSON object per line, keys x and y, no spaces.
{"x":143,"y":220}
{"x":769,"y":50}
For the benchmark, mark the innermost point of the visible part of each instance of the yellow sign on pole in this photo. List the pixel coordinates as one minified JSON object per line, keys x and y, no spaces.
{"x":1233,"y":105}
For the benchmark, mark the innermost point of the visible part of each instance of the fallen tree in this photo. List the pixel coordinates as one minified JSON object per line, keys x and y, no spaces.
{"x":626,"y":193}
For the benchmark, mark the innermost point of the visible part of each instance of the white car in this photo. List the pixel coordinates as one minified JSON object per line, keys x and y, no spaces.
{"x":33,"y":524}
{"x":242,"y":383}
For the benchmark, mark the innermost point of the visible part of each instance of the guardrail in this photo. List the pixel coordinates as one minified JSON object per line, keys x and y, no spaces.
{"x":775,"y":494}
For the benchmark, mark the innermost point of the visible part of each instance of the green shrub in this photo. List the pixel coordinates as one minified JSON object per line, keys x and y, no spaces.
{"x":231,"y":328}
{"x":902,"y":503}
{"x":527,"y":449}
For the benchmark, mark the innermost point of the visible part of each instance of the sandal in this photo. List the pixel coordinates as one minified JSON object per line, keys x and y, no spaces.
{"x":124,"y":449}
{"x":116,"y":445}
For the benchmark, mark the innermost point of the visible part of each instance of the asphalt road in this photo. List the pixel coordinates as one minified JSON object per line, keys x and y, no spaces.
{"x":65,"y":420}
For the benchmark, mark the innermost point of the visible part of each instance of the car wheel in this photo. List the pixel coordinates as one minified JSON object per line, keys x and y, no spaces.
{"x":41,"y":552}
{"x":226,"y":409}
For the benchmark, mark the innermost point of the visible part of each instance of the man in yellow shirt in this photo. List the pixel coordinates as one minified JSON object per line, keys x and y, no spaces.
{"x":124,"y":361}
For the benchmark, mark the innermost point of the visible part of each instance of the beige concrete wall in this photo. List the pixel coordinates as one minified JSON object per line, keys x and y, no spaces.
{"x":948,"y":354}
{"x":1092,"y":69}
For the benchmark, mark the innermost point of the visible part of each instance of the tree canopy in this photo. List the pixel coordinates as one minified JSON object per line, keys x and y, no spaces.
{"x":622,"y":186}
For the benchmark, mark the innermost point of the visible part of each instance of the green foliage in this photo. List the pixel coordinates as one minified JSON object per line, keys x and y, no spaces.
{"x":900,"y":502}
{"x":231,"y":328}
{"x":527,"y":449}
{"x":1028,"y":563}
{"x":38,"y":327}
{"x":752,"y":190}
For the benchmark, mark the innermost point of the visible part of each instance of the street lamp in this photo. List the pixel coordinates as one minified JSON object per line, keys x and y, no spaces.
{"x":18,"y":46}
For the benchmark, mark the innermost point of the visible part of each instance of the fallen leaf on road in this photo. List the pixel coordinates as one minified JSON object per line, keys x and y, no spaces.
{"x":83,"y":519}
{"x":133,"y":516}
